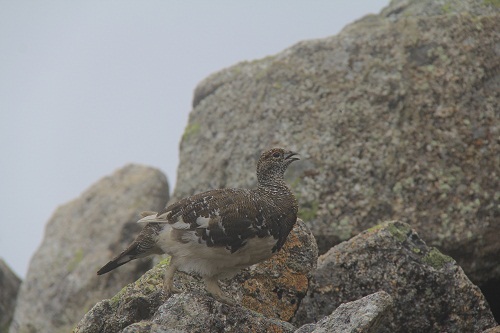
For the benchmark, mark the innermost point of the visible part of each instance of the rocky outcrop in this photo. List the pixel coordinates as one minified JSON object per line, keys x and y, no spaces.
{"x":364,"y":315}
{"x":396,"y":117}
{"x":411,"y":288}
{"x":82,"y":235}
{"x":430,"y":291}
{"x":9,"y":286}
{"x":270,"y":293}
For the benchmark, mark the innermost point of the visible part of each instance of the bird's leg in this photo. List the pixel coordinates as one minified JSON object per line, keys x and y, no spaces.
{"x":168,"y":279}
{"x":213,"y":289}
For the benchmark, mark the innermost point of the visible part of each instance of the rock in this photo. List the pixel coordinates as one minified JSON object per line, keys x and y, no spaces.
{"x":276,"y":287}
{"x":194,"y":312}
{"x":362,"y":316}
{"x":61,"y":284}
{"x":9,"y":286}
{"x":430,"y":291}
{"x":401,"y":9}
{"x":307,"y":328}
{"x":143,"y":327}
{"x":394,"y":118}
{"x":495,"y":329}
{"x":135,"y":302}
{"x":273,"y":288}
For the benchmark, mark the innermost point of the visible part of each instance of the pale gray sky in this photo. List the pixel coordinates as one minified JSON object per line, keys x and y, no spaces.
{"x":88,"y":86}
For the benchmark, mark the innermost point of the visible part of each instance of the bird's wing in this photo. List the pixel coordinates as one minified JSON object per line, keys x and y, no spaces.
{"x":222,"y":218}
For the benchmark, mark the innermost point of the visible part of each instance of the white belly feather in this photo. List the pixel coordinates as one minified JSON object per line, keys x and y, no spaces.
{"x":193,"y":256}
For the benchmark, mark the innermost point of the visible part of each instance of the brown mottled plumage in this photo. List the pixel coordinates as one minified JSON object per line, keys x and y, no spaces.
{"x":218,"y":232}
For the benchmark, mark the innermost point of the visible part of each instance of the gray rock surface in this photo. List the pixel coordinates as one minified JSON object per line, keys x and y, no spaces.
{"x":401,"y":9}
{"x":495,"y":329}
{"x":9,"y":286}
{"x":430,"y":291}
{"x":272,"y":289}
{"x":396,"y":117}
{"x":197,"y":313}
{"x":362,"y":316}
{"x":82,"y":235}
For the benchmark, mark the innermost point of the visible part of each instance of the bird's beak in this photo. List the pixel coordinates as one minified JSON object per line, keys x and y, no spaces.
{"x":290,"y":155}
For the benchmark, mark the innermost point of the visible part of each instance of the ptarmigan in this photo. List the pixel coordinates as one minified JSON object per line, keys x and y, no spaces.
{"x":217,"y":233}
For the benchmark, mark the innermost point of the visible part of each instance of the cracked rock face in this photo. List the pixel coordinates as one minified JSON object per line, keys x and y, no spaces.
{"x":61,"y":284}
{"x":430,"y":291}
{"x":396,"y":117}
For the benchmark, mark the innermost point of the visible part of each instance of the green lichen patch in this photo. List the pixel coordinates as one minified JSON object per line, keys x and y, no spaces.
{"x":77,"y":258}
{"x":309,"y":212}
{"x":190,"y":131}
{"x":376,"y":228}
{"x":436,"y":259}
{"x":150,"y":282}
{"x":447,"y":8}
{"x":495,"y":3}
{"x":115,"y":300}
{"x":398,"y":230}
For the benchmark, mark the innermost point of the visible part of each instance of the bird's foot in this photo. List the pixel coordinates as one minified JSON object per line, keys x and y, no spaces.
{"x":171,"y":289}
{"x":168,"y":280}
{"x":214,"y":290}
{"x":166,"y":293}
{"x":224,"y":299}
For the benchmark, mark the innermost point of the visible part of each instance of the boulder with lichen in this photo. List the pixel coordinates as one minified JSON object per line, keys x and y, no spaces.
{"x":430,"y":291}
{"x":61,"y":284}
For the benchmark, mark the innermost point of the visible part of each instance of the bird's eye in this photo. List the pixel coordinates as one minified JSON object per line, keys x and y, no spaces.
{"x":276,"y":155}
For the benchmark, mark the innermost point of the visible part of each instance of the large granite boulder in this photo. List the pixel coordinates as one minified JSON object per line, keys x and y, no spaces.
{"x":269,"y":294}
{"x":396,"y":117}
{"x":9,"y":286}
{"x":430,"y":291}
{"x":82,"y":235}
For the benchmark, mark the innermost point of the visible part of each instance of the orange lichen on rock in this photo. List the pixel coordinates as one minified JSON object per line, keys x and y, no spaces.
{"x":276,"y":286}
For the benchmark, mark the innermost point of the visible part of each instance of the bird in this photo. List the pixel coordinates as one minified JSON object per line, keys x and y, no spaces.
{"x":217,"y":233}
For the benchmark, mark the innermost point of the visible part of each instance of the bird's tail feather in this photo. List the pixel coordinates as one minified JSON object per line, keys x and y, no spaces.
{"x":143,"y":246}
{"x":122,"y":259}
{"x":134,"y":251}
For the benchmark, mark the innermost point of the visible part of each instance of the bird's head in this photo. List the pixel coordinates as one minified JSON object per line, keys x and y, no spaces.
{"x":273,"y":163}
